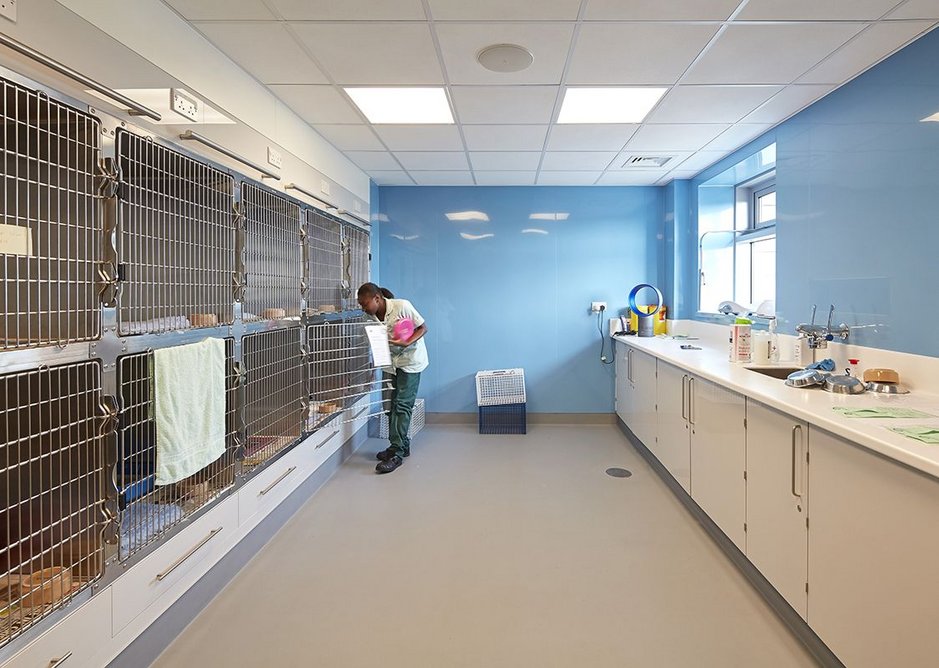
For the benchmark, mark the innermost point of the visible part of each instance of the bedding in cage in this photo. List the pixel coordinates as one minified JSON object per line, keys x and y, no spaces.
{"x":149,"y":510}
{"x":500,"y":395}
{"x":52,"y":480}
{"x":176,"y":240}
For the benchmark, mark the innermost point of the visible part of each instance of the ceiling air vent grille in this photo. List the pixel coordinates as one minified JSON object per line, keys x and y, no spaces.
{"x":654,"y":161}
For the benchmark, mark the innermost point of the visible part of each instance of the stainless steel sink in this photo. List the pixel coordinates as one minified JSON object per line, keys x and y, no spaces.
{"x":781,"y":372}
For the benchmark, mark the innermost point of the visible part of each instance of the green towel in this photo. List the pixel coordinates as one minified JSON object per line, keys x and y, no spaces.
{"x":881,"y":412}
{"x":189,"y":408}
{"x":925,"y":434}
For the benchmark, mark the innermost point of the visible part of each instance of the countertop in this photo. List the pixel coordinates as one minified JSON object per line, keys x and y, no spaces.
{"x":812,"y":405}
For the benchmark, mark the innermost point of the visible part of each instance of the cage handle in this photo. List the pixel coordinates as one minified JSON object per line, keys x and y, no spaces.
{"x":189,"y":135}
{"x":110,"y":282}
{"x":108,"y":413}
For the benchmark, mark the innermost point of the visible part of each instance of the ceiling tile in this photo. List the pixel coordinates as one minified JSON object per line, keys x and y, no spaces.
{"x":787,"y":102}
{"x":350,"y":137}
{"x":710,"y":104}
{"x":918,"y":9}
{"x":548,"y":43}
{"x":621,"y":160}
{"x":865,"y":50}
{"x":571,"y":161}
{"x":590,"y":137}
{"x":505,"y":178}
{"x":813,"y":10}
{"x":420,"y":137}
{"x":630,"y":178}
{"x":500,"y":10}
{"x":568,"y":178}
{"x":700,"y":160}
{"x":428,"y":160}
{"x":369,"y":160}
{"x":673,"y":10}
{"x":633,"y":53}
{"x":505,"y":137}
{"x":689,"y":137}
{"x":317,"y":104}
{"x":391,"y":178}
{"x":505,"y":160}
{"x":767,"y":53}
{"x":436,"y":178}
{"x":737,"y":136}
{"x":206,"y":10}
{"x":280,"y":61}
{"x":503,"y":104}
{"x":349,"y":10}
{"x":373,"y":54}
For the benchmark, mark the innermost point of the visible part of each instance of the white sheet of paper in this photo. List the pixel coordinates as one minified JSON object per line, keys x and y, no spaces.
{"x":378,"y":342}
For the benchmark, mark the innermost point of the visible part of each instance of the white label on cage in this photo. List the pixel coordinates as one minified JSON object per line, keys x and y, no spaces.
{"x":378,"y":342}
{"x":16,"y":240}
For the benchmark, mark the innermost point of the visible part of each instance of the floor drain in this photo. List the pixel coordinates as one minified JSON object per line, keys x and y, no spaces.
{"x":619,"y":473}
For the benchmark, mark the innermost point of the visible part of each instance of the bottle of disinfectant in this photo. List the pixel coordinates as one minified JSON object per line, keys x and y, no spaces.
{"x":740,"y":340}
{"x":773,"y":342}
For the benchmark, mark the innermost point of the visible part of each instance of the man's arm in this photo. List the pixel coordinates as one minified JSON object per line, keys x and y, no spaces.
{"x":418,"y":333}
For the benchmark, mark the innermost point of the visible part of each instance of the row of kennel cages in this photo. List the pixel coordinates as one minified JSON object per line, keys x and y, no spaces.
{"x":337,"y":263}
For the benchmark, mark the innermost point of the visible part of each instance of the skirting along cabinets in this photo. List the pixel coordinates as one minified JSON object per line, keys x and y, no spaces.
{"x":846,"y":536}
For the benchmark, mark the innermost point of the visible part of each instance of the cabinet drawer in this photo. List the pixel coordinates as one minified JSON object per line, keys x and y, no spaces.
{"x":75,"y":642}
{"x":174,"y":567}
{"x":268,"y":488}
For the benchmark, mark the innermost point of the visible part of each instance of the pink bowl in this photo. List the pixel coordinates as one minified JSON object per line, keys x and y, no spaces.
{"x":403,"y":329}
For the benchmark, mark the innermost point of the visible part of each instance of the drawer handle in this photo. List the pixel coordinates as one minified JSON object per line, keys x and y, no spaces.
{"x":195,"y":548}
{"x":276,"y":482}
{"x":794,"y":430}
{"x":58,"y":662}
{"x":357,"y":415}
{"x":325,"y":440}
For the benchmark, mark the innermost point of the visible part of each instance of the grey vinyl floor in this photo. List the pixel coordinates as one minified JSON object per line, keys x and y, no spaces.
{"x":491,"y":551}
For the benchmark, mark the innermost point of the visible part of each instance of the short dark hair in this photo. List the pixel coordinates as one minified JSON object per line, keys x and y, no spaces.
{"x":369,"y":290}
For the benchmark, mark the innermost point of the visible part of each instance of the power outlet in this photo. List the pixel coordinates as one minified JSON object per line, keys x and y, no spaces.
{"x":274,"y":157}
{"x":324,"y":186}
{"x":596,"y":307}
{"x":8,"y":9}
{"x":184,"y":104}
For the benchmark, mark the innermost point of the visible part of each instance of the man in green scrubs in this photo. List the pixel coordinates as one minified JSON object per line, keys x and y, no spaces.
{"x":408,"y":359}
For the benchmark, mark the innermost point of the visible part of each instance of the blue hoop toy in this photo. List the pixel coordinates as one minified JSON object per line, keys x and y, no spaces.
{"x":632,"y":300}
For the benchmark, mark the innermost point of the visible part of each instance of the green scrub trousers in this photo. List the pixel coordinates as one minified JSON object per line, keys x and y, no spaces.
{"x":403,"y":394}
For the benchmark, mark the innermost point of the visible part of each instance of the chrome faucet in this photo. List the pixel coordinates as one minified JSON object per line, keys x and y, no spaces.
{"x":818,"y":336}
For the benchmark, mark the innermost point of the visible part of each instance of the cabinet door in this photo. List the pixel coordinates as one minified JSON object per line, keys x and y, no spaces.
{"x":718,"y":456}
{"x":644,"y":384}
{"x":873,"y":546}
{"x":622,"y":380}
{"x":777,"y":537}
{"x":674,"y":435}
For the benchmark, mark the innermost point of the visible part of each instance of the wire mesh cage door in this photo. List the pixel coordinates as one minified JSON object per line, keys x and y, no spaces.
{"x":149,"y":510}
{"x":49,"y":222}
{"x":52,"y":482}
{"x":274,"y":393}
{"x":273,"y":255}
{"x":176,"y":240}
{"x":355,"y":264}
{"x":325,"y":266}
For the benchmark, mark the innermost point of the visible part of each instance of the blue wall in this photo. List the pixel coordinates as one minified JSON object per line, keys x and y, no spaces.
{"x":519,"y":299}
{"x":374,"y":215}
{"x":857,"y":180}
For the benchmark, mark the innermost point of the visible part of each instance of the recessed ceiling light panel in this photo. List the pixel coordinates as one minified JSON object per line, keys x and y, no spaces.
{"x":403,"y":105}
{"x":505,"y":58}
{"x":608,"y":105}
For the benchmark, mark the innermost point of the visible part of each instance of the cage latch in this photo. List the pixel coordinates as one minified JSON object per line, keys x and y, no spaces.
{"x":110,"y":178}
{"x":110,"y":276}
{"x":241,"y":374}
{"x":108,"y":411}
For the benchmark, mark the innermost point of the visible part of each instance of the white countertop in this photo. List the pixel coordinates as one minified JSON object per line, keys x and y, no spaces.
{"x":813,"y":405}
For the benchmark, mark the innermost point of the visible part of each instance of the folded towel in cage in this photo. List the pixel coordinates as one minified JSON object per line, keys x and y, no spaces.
{"x":189,"y":408}
{"x":167,"y":324}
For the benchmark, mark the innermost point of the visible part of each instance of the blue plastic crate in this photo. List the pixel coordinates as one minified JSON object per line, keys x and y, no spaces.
{"x":502,"y":419}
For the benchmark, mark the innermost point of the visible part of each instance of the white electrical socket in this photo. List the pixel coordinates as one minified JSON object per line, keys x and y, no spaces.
{"x":324,"y":186}
{"x":274,"y":157}
{"x":596,"y":307}
{"x":184,"y":104}
{"x":8,"y":9}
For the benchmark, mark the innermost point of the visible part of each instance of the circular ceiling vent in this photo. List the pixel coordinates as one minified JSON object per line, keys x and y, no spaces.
{"x":505,"y":58}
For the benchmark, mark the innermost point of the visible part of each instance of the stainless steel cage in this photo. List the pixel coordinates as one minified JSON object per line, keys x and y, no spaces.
{"x":52,"y":482}
{"x":274,"y":393}
{"x":324,"y":264}
{"x":356,"y":261}
{"x":273,"y":255}
{"x":148,"y":511}
{"x":49,"y":222}
{"x":176,"y":239}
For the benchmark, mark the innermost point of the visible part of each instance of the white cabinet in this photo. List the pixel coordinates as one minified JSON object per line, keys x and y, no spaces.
{"x":673,"y":445}
{"x":620,"y":391}
{"x":635,"y":393}
{"x":718,"y":456}
{"x":777,"y":501}
{"x":873,"y":550}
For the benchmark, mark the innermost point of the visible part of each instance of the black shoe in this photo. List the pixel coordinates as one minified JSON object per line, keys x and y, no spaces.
{"x":390,"y":465}
{"x":388,"y":453}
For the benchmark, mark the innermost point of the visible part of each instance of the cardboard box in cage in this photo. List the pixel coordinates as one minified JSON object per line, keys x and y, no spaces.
{"x":379,"y":424}
{"x":499,"y":387}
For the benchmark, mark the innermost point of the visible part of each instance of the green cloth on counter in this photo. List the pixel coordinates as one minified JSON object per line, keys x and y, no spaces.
{"x":881,"y":412}
{"x":925,"y":434}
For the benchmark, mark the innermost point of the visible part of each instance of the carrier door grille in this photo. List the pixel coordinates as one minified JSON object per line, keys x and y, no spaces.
{"x":49,"y":222}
